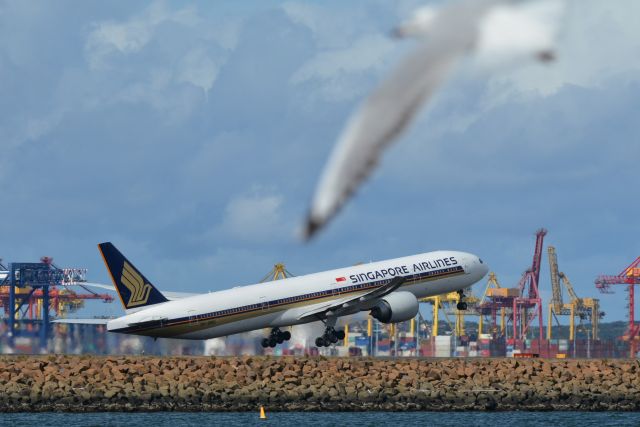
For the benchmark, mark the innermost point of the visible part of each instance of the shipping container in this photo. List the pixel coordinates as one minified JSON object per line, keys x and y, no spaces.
{"x":503,"y":292}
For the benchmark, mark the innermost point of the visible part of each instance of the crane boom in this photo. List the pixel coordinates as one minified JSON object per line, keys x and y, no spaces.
{"x":555,"y":280}
{"x":537,"y":256}
{"x":569,"y":286}
{"x":491,"y":283}
{"x":584,"y":308}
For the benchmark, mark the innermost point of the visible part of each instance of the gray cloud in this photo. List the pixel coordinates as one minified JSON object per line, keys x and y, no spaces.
{"x":151,"y":124}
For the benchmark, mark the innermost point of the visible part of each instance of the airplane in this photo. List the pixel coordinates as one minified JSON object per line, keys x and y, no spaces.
{"x":389,"y":290}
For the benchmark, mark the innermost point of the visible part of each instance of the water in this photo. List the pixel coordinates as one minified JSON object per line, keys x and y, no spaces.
{"x":318,"y":419}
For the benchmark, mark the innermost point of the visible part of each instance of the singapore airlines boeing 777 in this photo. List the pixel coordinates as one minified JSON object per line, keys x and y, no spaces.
{"x":388,"y":290}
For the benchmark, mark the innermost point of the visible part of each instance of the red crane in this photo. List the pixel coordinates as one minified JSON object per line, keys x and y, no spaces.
{"x":529,"y":304}
{"x":630,"y":276}
{"x":523,"y":301}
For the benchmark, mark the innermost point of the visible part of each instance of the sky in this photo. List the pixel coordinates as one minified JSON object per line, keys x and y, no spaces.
{"x":192,"y":134}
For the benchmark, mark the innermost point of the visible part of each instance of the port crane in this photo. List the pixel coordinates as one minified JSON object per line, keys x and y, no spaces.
{"x":630,"y":277}
{"x":583,"y":308}
{"x":487,"y":308}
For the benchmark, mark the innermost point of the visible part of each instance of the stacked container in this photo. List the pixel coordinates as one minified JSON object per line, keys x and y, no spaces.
{"x":484,"y":346}
{"x":461,"y":351}
{"x":443,"y":346}
{"x":473,"y":348}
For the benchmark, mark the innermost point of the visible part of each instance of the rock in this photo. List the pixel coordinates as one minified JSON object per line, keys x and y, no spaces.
{"x":200,"y":383}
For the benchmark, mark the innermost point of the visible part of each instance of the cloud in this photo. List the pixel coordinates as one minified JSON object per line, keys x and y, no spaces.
{"x":600,"y":41}
{"x":331,"y":30}
{"x":150,"y":126}
{"x":199,"y":69}
{"x":109,"y":38}
{"x":255,"y":217}
{"x":351,"y":48}
{"x":366,"y":54}
{"x":337,"y":70}
{"x":158,"y":57}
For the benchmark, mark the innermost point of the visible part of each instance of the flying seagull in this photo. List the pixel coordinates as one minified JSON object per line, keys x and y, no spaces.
{"x":491,"y":29}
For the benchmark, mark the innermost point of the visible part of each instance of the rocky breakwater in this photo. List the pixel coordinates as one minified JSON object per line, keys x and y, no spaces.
{"x":81,"y":383}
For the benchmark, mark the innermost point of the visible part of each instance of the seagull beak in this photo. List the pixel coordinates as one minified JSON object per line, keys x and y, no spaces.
{"x":310,"y":229}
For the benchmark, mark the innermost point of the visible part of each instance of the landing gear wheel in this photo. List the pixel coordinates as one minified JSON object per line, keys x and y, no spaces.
{"x":275,"y":337}
{"x":330,"y":336}
{"x":462,"y":305}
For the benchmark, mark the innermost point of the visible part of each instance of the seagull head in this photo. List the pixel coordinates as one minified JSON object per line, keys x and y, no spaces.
{"x":418,"y":25}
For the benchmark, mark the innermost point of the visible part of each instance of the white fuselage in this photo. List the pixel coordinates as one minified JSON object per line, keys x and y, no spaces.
{"x":284,"y":302}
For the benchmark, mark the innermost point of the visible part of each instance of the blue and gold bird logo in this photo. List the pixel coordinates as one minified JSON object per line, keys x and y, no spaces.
{"x":138,"y":290}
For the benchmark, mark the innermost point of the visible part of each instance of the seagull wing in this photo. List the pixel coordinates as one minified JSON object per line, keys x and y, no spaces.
{"x":382,"y":117}
{"x":387,"y":112}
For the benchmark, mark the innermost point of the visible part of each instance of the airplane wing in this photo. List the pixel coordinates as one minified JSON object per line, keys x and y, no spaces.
{"x":352,"y":303}
{"x":167,"y":294}
{"x":177,"y":295}
{"x":91,"y":285}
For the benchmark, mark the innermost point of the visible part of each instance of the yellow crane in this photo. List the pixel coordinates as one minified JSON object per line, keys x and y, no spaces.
{"x":447,"y":304}
{"x":437,"y":304}
{"x":279,"y":271}
{"x":580,"y":307}
{"x":489,"y":291}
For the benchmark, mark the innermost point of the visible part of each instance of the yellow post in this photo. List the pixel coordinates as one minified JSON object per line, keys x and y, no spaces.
{"x":369,"y":327}
{"x":436,"y":304}
{"x":480,"y":325}
{"x":549,"y":323}
{"x":413,"y":327}
{"x":503,"y":322}
{"x":572,"y":323}
{"x":346,"y":335}
{"x":392,"y":330}
{"x":459,"y":323}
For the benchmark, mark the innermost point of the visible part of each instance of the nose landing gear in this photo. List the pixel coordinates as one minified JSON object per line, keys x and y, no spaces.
{"x":276,"y":337}
{"x":330,"y":336}
{"x":462,"y":305}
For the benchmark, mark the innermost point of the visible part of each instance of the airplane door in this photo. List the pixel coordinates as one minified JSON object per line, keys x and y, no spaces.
{"x":264,"y":304}
{"x":192,"y":315}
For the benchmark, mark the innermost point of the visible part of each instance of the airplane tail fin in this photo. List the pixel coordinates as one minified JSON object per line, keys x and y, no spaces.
{"x":134,"y":289}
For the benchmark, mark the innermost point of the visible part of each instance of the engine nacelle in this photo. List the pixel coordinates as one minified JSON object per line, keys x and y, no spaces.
{"x":396,"y":307}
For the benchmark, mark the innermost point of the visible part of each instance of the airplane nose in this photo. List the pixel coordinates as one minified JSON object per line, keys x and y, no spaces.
{"x":484,"y":268}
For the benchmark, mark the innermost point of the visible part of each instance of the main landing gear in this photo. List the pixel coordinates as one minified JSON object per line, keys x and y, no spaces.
{"x":462,"y":305}
{"x":276,"y":337}
{"x":330,"y":336}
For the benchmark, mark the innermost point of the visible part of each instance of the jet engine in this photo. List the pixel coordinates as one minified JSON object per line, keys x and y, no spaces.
{"x":396,"y":307}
